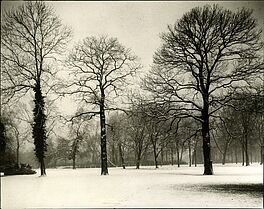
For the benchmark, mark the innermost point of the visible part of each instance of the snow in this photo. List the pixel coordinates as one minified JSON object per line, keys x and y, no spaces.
{"x":168,"y":186}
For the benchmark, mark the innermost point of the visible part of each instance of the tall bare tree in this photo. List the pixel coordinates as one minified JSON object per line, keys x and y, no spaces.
{"x":138,"y":134}
{"x":32,"y":36}
{"x":205,"y":56}
{"x":100,"y":67}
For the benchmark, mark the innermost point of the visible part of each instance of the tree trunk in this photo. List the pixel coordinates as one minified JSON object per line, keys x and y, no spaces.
{"x":17,"y":150}
{"x":2,"y":139}
{"x":156,"y":162}
{"x":251,"y":157}
{"x":104,"y":169}
{"x":194,"y":154}
{"x":166,"y":156}
{"x":155,"y":155}
{"x":243,"y":156}
{"x":172,"y":156}
{"x":224,"y":154}
{"x":73,"y":162}
{"x":195,"y":158}
{"x":42,"y":167}
{"x":122,"y":160}
{"x":17,"y":156}
{"x":178,"y":157}
{"x":137,"y":163}
{"x":208,"y":167}
{"x":190,"y":154}
{"x":261,"y":155}
{"x":39,"y":131}
{"x":246,"y":150}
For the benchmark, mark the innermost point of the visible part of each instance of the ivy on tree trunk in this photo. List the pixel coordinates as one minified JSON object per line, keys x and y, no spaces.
{"x":39,"y":128}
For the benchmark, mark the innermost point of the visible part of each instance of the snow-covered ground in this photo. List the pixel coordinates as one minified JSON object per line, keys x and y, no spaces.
{"x":169,"y":186}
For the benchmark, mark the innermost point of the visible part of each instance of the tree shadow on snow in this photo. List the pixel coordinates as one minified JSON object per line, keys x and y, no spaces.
{"x":255,"y":190}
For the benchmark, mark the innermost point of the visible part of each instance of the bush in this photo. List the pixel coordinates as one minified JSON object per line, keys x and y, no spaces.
{"x":13,"y":169}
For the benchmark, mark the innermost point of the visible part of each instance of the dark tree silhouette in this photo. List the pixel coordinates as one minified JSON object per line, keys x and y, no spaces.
{"x":100,"y":67}
{"x":208,"y":54}
{"x":32,"y":35}
{"x":2,"y":141}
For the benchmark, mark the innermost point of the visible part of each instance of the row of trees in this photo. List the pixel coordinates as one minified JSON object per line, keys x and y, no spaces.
{"x":207,"y":58}
{"x":141,"y":136}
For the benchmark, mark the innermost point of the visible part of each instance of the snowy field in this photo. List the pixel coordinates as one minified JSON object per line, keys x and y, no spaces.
{"x":169,"y":186}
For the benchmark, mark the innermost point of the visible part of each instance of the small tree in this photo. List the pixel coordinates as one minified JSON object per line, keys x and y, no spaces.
{"x":117,"y":132}
{"x":204,"y":57}
{"x":100,"y":67}
{"x":78,"y":131}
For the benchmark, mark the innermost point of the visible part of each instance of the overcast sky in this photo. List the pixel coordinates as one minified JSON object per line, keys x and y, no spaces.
{"x":137,"y":25}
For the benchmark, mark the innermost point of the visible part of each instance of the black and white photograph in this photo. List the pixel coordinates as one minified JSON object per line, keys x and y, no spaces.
{"x":131,"y":104}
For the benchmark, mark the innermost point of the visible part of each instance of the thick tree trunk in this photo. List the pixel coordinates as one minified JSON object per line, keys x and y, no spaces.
{"x":208,"y":167}
{"x":137,"y":163}
{"x":42,"y":167}
{"x":156,"y":162}
{"x":121,"y":154}
{"x":39,"y":132}
{"x":104,"y":169}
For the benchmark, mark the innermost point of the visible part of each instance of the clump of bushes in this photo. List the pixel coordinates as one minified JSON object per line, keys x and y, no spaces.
{"x":14,"y":169}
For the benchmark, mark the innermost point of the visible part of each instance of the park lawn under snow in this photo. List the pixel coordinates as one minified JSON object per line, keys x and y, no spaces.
{"x":169,"y":186}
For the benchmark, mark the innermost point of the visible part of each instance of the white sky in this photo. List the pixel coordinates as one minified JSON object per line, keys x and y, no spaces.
{"x":137,"y":25}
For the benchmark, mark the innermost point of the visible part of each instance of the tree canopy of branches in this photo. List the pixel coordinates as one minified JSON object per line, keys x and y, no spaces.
{"x":100,"y":67}
{"x":32,"y":35}
{"x":207,"y":55}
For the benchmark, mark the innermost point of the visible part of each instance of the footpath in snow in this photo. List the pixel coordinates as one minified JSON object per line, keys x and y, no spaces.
{"x":169,"y":186}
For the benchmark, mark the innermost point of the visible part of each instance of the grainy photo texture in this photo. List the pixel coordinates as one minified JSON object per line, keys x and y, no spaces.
{"x":131,"y":104}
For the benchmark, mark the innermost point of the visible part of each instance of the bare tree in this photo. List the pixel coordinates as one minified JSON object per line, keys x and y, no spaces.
{"x":32,"y":35}
{"x":100,"y":67}
{"x":79,"y":130}
{"x":208,"y":54}
{"x":117,"y":133}
{"x":158,"y":127}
